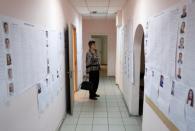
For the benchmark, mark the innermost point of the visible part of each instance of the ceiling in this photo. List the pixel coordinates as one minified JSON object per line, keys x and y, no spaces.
{"x":98,"y":8}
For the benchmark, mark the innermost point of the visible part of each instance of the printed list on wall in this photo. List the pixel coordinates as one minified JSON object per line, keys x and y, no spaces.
{"x":170,"y":64}
{"x":28,"y":60}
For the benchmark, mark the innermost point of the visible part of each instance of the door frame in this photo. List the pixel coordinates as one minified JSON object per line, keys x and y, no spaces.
{"x":138,"y":37}
{"x":71,"y":69}
{"x":75,"y":66}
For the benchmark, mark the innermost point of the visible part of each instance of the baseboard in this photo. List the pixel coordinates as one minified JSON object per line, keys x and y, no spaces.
{"x":130,"y":115}
{"x":169,"y":124}
{"x":61,"y":122}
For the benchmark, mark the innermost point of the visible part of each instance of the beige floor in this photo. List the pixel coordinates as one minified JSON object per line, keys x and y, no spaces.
{"x":108,"y":113}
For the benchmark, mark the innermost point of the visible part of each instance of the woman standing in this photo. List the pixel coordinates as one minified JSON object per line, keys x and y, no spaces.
{"x":92,"y":68}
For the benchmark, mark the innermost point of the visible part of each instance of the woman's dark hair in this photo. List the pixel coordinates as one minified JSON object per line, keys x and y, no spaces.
{"x":91,"y":42}
{"x":192,"y":100}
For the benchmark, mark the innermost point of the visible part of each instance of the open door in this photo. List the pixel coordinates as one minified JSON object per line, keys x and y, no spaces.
{"x":67,"y":72}
{"x":71,"y":67}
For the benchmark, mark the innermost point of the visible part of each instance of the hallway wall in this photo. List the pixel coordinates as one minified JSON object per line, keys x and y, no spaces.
{"x":137,"y":12}
{"x":20,"y":113}
{"x":101,"y":27}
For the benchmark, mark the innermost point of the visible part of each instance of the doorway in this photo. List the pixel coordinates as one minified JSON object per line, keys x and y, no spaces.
{"x":139,"y":69}
{"x":101,"y":45}
{"x":71,"y":66}
{"x":142,"y":72}
{"x":67,"y":72}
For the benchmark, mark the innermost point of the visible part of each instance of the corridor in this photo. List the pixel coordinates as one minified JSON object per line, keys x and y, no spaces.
{"x":142,"y":50}
{"x":108,"y":113}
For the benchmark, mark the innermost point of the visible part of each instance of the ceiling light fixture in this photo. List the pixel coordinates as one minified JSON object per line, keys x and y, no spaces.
{"x":93,"y":12}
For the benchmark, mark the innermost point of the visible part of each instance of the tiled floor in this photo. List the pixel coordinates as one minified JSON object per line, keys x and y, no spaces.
{"x":108,"y":113}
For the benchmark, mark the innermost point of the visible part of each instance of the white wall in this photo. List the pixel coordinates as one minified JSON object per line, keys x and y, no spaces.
{"x":101,"y":27}
{"x":20,"y":113}
{"x":138,"y":11}
{"x":104,"y":51}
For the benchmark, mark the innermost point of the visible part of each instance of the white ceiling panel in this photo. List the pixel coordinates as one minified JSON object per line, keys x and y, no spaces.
{"x":99,"y":3}
{"x":102,"y":8}
{"x":113,"y":10}
{"x":83,"y":10}
{"x":78,"y":3}
{"x":96,"y":0}
{"x":98,"y":9}
{"x":118,"y":3}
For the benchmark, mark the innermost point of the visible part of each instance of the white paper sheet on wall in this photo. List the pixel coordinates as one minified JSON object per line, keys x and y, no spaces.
{"x":189,"y":50}
{"x":56,"y":60}
{"x":177,"y":105}
{"x":16,"y":46}
{"x":147,"y":84}
{"x":162,"y":42}
{"x":29,"y":55}
{"x":128,"y":48}
{"x":164,"y":93}
{"x":190,"y":118}
{"x":43,"y":96}
{"x":154,"y":81}
{"x":53,"y":54}
{"x":177,"y":114}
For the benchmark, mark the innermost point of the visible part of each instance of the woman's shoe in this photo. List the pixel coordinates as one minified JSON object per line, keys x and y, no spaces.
{"x":93,"y":98}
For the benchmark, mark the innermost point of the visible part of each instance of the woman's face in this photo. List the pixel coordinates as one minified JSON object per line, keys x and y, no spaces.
{"x":93,"y":46}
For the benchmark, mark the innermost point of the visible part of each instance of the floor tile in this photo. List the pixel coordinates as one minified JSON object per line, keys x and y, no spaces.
{"x":125,"y":114}
{"x":117,"y":128}
{"x":132,"y":128}
{"x":100,"y":109}
{"x":84,"y":128}
{"x":115,"y":121}
{"x":130,"y":121}
{"x":101,"y":114}
{"x":85,"y":121}
{"x":70,"y":121}
{"x":113,"y":109}
{"x":100,"y":127}
{"x":68,"y":128}
{"x":86,"y":114}
{"x":116,"y":114}
{"x":100,"y":121}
